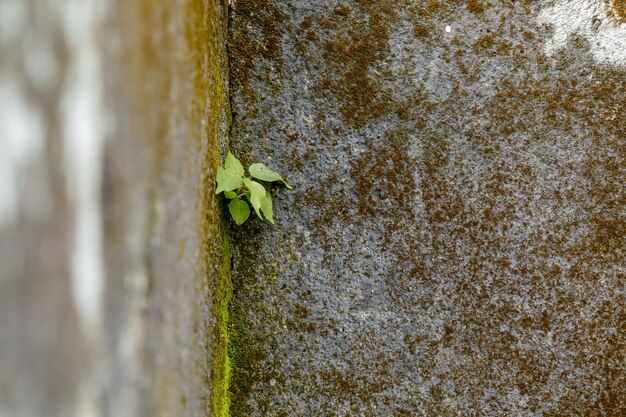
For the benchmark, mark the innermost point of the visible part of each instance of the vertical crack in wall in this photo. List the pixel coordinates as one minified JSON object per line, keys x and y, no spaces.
{"x":208,"y":36}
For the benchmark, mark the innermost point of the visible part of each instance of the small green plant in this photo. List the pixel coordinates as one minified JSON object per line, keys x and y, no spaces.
{"x":232,"y":181}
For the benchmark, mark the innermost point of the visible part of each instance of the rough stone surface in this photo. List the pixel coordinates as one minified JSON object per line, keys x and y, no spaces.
{"x":455,"y":241}
{"x":112,"y":271}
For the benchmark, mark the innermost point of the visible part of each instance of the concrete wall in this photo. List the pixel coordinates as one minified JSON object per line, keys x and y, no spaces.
{"x":113,"y":264}
{"x":454,"y":244}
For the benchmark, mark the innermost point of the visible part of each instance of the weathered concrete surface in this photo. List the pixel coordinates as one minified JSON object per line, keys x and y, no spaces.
{"x":455,"y":241}
{"x":112,"y":257}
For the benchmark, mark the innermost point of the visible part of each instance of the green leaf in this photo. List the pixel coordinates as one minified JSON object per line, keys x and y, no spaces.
{"x":260,"y":171}
{"x":226,"y":181}
{"x":230,"y":194}
{"x":233,"y":165}
{"x":257,"y":194}
{"x":240,"y":210}
{"x":266,"y":208}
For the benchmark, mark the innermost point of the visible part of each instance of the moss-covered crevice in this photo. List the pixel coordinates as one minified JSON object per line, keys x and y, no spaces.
{"x":246,"y":352}
{"x":206,"y":35}
{"x":256,"y":29}
{"x":254,"y":278}
{"x":220,"y":361}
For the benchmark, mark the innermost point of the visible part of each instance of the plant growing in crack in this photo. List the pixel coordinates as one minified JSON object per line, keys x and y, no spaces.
{"x":232,"y":181}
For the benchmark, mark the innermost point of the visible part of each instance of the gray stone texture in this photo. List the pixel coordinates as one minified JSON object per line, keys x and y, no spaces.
{"x":454,"y":244}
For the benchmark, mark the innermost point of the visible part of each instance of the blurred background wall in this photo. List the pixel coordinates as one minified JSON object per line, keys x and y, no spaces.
{"x":112,"y":114}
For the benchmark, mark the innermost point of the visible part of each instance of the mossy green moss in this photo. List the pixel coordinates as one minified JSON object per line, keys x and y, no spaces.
{"x":248,"y":347}
{"x":221,"y":364}
{"x":246,"y":352}
{"x":206,"y":36}
{"x":254,"y":61}
{"x":218,"y":254}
